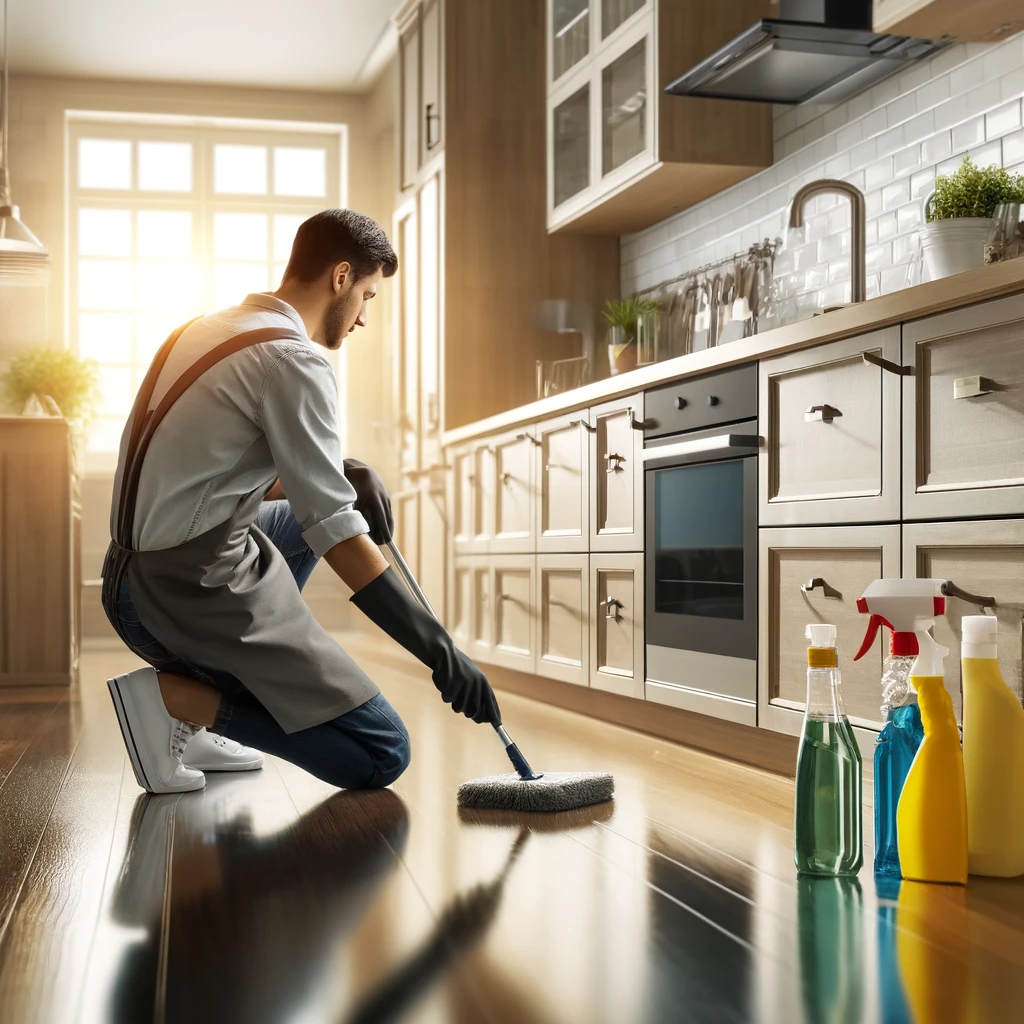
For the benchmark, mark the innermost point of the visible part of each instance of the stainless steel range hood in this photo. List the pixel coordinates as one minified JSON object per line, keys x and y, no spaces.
{"x":820,"y":50}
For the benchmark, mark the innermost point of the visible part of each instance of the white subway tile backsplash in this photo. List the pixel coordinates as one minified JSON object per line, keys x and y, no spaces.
{"x":891,"y":140}
{"x":886,"y":226}
{"x":932,"y":94}
{"x":938,"y":147}
{"x":920,"y":127}
{"x":878,"y":256}
{"x":901,"y":109}
{"x":922,"y":183}
{"x":864,"y":154}
{"x":1013,"y":148}
{"x":907,"y":159}
{"x":877,"y":174}
{"x":835,"y":118}
{"x":989,"y":155}
{"x":967,"y":77}
{"x":968,"y":134}
{"x":895,"y":194}
{"x":949,"y":166}
{"x":830,"y":248}
{"x":875,"y":123}
{"x":1003,"y":120}
{"x":1011,"y":84}
{"x":838,"y":166}
{"x":873,"y":204}
{"x":948,"y":59}
{"x":985,"y":97}
{"x":952,"y":112}
{"x":839,"y":270}
{"x":909,"y":217}
{"x":849,"y":136}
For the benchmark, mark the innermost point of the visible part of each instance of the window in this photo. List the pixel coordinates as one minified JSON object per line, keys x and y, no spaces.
{"x":170,"y":220}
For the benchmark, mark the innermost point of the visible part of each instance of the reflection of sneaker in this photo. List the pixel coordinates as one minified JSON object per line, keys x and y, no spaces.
{"x":155,"y":741}
{"x":208,"y":752}
{"x":139,"y":896}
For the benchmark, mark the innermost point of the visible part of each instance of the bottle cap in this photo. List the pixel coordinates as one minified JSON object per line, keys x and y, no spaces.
{"x":980,"y":629}
{"x":929,"y":661}
{"x":822,"y":651}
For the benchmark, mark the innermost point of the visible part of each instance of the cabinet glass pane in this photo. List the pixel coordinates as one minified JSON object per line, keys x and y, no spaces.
{"x":570,"y":34}
{"x":624,"y":107}
{"x":615,"y":12}
{"x":572,"y":145}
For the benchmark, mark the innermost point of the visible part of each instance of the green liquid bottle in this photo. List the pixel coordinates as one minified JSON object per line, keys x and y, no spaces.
{"x":828,"y":822}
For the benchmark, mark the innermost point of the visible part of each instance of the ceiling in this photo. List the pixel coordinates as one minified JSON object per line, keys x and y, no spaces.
{"x":294,"y":44}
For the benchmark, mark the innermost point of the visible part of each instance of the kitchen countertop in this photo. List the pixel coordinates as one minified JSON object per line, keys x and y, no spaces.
{"x":991,"y":282}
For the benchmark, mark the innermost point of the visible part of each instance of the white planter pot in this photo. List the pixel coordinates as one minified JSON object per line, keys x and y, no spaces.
{"x":954,"y":246}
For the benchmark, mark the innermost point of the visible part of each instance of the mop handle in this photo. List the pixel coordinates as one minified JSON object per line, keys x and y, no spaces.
{"x":519,"y":762}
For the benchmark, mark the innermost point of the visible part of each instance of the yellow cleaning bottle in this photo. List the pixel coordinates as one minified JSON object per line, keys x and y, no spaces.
{"x":931,"y":819}
{"x":993,"y":756}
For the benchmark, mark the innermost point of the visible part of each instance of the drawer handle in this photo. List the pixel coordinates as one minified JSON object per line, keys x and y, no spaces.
{"x":614,"y":461}
{"x":506,"y":478}
{"x":611,"y":608}
{"x":635,"y":423}
{"x":950,"y":589}
{"x":584,"y":424}
{"x":817,"y":582}
{"x":973,"y":387}
{"x":821,"y":413}
{"x":528,"y":437}
{"x":873,"y":359}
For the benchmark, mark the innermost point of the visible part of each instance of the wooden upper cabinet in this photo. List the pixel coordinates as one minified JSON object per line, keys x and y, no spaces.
{"x":622,"y":154}
{"x":984,"y":21}
{"x":408,"y":21}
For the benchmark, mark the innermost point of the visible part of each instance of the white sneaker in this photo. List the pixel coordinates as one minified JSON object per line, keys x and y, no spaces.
{"x":209,"y":752}
{"x":155,"y":741}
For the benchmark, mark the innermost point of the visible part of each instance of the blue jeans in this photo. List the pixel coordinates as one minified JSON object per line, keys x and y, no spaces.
{"x":367,"y":748}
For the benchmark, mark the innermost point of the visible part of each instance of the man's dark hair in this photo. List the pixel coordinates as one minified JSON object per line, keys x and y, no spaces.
{"x":340,"y":236}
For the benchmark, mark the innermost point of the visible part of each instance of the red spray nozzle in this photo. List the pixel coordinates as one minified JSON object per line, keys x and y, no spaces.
{"x":872,"y":631}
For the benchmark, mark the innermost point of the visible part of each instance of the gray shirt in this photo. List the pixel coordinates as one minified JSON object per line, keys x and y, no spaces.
{"x":267,"y":411}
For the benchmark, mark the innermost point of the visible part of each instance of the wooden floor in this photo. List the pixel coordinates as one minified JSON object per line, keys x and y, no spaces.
{"x":272,"y":898}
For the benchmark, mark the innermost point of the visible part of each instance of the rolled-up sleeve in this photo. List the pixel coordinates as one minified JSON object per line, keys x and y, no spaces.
{"x":299,"y":416}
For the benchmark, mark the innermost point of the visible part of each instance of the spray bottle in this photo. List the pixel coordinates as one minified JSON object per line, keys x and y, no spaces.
{"x":827,"y":825}
{"x":896,"y":604}
{"x":931,"y":818}
{"x":993,"y":755}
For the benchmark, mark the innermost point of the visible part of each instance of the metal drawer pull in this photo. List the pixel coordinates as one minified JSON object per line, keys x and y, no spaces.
{"x":950,"y":589}
{"x":703,"y":444}
{"x":887,"y":364}
{"x":817,"y":582}
{"x":635,"y":423}
{"x":584,"y":424}
{"x":821,"y":413}
{"x":614,"y":461}
{"x":528,"y":437}
{"x":611,"y":608}
{"x":505,"y":478}
{"x":973,"y":387}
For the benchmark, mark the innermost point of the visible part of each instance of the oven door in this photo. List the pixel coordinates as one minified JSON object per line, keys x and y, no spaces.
{"x":701,"y":562}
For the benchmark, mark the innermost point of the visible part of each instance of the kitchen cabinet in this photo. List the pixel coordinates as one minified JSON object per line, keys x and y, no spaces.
{"x":562,"y":470}
{"x":622,"y":154}
{"x":963,"y":413}
{"x":985,"y":21}
{"x":471,"y":497}
{"x":985,"y":560}
{"x":617,"y":623}
{"x":563,"y":618}
{"x":513,"y":489}
{"x":817,"y":575}
{"x":431,"y":115}
{"x":616,"y":467}
{"x":513,"y":624}
{"x":408,"y":21}
{"x":830,"y":420}
{"x":472,"y":613}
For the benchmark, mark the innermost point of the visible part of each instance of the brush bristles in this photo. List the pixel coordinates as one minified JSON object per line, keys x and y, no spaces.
{"x":555,"y":791}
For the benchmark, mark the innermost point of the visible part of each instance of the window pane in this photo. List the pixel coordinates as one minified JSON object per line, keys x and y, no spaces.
{"x":104,"y":284}
{"x":233,"y":281}
{"x":104,"y":163}
{"x":105,"y":232}
{"x":240,"y":169}
{"x":299,"y":172}
{"x":285,"y":226}
{"x":116,"y":394}
{"x":165,"y":166}
{"x":166,"y":284}
{"x":240,"y":236}
{"x":166,"y":233}
{"x":106,"y":337}
{"x":105,"y":434}
{"x":152,"y":330}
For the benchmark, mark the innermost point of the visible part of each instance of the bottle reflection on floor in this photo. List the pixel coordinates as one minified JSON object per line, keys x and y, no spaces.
{"x":893,"y":1000}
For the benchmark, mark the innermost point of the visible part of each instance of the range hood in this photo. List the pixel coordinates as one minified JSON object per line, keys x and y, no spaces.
{"x":820,"y":50}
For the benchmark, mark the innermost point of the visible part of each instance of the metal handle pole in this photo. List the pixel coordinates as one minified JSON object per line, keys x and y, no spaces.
{"x":519,"y":762}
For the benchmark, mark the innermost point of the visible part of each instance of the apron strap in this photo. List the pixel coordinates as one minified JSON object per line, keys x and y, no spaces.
{"x":145,"y":421}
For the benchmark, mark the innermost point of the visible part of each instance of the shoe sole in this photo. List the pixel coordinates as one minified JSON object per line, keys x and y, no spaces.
{"x":124,"y":720}
{"x":241,"y":766}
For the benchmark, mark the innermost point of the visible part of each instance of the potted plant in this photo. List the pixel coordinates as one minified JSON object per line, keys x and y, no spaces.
{"x":624,"y":317}
{"x":959,"y":216}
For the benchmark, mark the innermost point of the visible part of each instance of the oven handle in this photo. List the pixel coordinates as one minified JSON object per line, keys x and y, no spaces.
{"x":743,"y":444}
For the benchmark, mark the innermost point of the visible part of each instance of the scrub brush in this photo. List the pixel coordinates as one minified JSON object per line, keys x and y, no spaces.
{"x":526,"y":790}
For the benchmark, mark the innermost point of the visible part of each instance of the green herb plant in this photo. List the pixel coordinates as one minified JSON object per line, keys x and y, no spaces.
{"x":71,"y":382}
{"x":625,"y":313}
{"x":974,"y":191}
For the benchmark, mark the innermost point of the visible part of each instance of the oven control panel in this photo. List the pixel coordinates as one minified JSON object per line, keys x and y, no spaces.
{"x":727,"y":396}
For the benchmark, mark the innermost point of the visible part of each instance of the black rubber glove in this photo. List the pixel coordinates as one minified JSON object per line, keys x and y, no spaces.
{"x":372,"y":500}
{"x":386,"y":602}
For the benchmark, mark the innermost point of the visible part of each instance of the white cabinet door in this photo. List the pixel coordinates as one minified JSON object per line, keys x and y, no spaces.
{"x":562,"y":470}
{"x":409,"y":58}
{"x":513,"y":489}
{"x":617,"y":623}
{"x":513,"y":622}
{"x":617,"y":476}
{"x":563,"y":619}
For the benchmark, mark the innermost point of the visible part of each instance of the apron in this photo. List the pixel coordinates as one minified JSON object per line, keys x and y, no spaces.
{"x":254,"y":625}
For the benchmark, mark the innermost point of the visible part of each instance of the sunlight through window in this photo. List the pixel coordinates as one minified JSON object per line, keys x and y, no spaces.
{"x":299,"y":172}
{"x":241,"y":170}
{"x":104,"y":163}
{"x":165,"y":166}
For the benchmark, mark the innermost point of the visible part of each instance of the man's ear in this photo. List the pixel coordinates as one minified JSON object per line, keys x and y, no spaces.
{"x":342,"y":273}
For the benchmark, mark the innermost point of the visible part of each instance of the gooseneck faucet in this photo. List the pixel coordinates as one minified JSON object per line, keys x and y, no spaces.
{"x":824,"y":186}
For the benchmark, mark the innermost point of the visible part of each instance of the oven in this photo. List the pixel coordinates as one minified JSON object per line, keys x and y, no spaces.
{"x":700,"y":480}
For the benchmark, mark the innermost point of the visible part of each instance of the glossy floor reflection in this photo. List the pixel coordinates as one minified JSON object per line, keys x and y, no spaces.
{"x":270,"y":897}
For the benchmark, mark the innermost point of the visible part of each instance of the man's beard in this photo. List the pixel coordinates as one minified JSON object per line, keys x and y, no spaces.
{"x":334,"y":324}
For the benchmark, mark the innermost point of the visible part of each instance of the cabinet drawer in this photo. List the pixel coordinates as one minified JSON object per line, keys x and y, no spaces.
{"x":563,"y":649}
{"x":617,"y":623}
{"x":964,"y":413}
{"x":839,"y":463}
{"x":985,"y":559}
{"x":816,"y":575}
{"x":513,"y":623}
{"x":616,"y":469}
{"x":513,"y":491}
{"x":562,"y":470}
{"x":723,"y":397}
{"x":471,"y":497}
